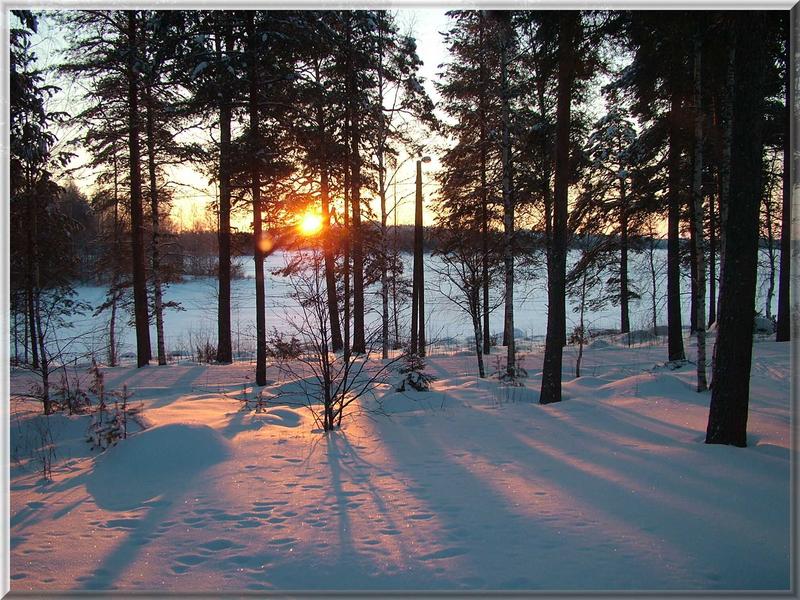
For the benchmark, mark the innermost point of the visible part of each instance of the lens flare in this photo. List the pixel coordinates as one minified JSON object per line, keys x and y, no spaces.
{"x":265,"y":244}
{"x":310,"y":223}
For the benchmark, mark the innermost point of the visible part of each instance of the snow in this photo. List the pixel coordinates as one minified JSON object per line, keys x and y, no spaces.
{"x":471,"y":485}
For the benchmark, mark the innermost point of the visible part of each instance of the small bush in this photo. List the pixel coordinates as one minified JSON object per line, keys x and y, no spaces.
{"x":71,"y":397}
{"x":110,"y":426}
{"x":206,"y":352}
{"x":413,"y":371}
{"x":517,"y":374}
{"x":281,"y":348}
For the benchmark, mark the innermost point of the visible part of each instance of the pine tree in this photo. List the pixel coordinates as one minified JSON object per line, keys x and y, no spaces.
{"x":613,"y":152}
{"x":214,"y":61}
{"x":568,"y":37}
{"x":141,"y":313}
{"x":470,"y":175}
{"x":727,"y":420}
{"x":43,"y":261}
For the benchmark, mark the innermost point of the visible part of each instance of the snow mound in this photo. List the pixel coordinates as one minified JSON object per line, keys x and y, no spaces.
{"x":155,"y":462}
{"x":599,"y":343}
{"x":283,"y":417}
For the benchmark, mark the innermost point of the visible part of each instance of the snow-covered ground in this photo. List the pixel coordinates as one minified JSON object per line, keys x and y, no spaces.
{"x":468,"y":486}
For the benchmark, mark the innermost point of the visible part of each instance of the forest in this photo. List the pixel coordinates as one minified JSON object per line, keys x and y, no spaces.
{"x":609,"y":157}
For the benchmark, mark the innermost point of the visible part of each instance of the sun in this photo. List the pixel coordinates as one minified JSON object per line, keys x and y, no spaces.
{"x":310,"y":223}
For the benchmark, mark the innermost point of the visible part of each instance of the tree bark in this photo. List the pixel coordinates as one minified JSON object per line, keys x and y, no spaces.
{"x":727,"y":419}
{"x":255,"y":185}
{"x":155,"y":257}
{"x":726,"y":139}
{"x":625,"y":325}
{"x":330,"y":263}
{"x":581,"y":328}
{"x":487,"y":346}
{"x":417,"y":298}
{"x":476,"y":327}
{"x":769,"y":222}
{"x":328,"y":249}
{"x":359,"y":341}
{"x":508,"y":199}
{"x":31,"y":260}
{"x":674,"y":327}
{"x":712,"y":263}
{"x":141,"y":316}
{"x":783,"y":333}
{"x":698,"y":216}
{"x":116,"y":270}
{"x":224,"y":342}
{"x":556,"y":276}
{"x":379,"y":151}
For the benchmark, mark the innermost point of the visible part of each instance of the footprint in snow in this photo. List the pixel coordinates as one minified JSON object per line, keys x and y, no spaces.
{"x":444,"y":553}
{"x":217,"y":545}
{"x":421,"y":516}
{"x":191,"y":559}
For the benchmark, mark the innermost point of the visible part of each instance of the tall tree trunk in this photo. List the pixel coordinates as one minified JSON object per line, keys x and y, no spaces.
{"x":727,"y":418}
{"x":417,"y":307}
{"x":328,"y":248}
{"x":674,"y":327}
{"x":783,"y":333}
{"x":625,"y":325}
{"x":475,"y":312}
{"x":651,"y":255}
{"x":155,"y":255}
{"x":712,"y":263}
{"x":16,"y":330}
{"x":224,"y":341}
{"x":140,"y":309}
{"x":330,"y":263}
{"x":769,"y":223}
{"x":116,"y":270}
{"x":44,"y":362}
{"x":508,"y":198}
{"x":556,"y":275}
{"x":30,"y":262}
{"x":379,"y":151}
{"x":359,"y":341}
{"x":699,"y":218}
{"x":255,"y":185}
{"x":421,"y":290}
{"x":726,"y":138}
{"x":347,"y":242}
{"x":395,"y":267}
{"x":487,"y":346}
{"x":692,"y":267}
{"x":726,"y":141}
{"x":581,"y":328}
{"x":27,"y":329}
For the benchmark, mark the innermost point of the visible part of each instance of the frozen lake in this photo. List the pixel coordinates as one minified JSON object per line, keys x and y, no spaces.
{"x":446,"y":323}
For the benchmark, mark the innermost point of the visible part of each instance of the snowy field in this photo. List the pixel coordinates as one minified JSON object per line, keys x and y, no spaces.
{"x":469,"y":486}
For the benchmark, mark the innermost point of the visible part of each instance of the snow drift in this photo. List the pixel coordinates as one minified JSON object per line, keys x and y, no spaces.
{"x":153,"y":463}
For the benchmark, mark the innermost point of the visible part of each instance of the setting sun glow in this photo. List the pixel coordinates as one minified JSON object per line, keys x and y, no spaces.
{"x":310,"y":223}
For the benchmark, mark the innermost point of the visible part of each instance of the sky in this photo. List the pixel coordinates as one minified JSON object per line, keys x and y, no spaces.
{"x":194,"y":192}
